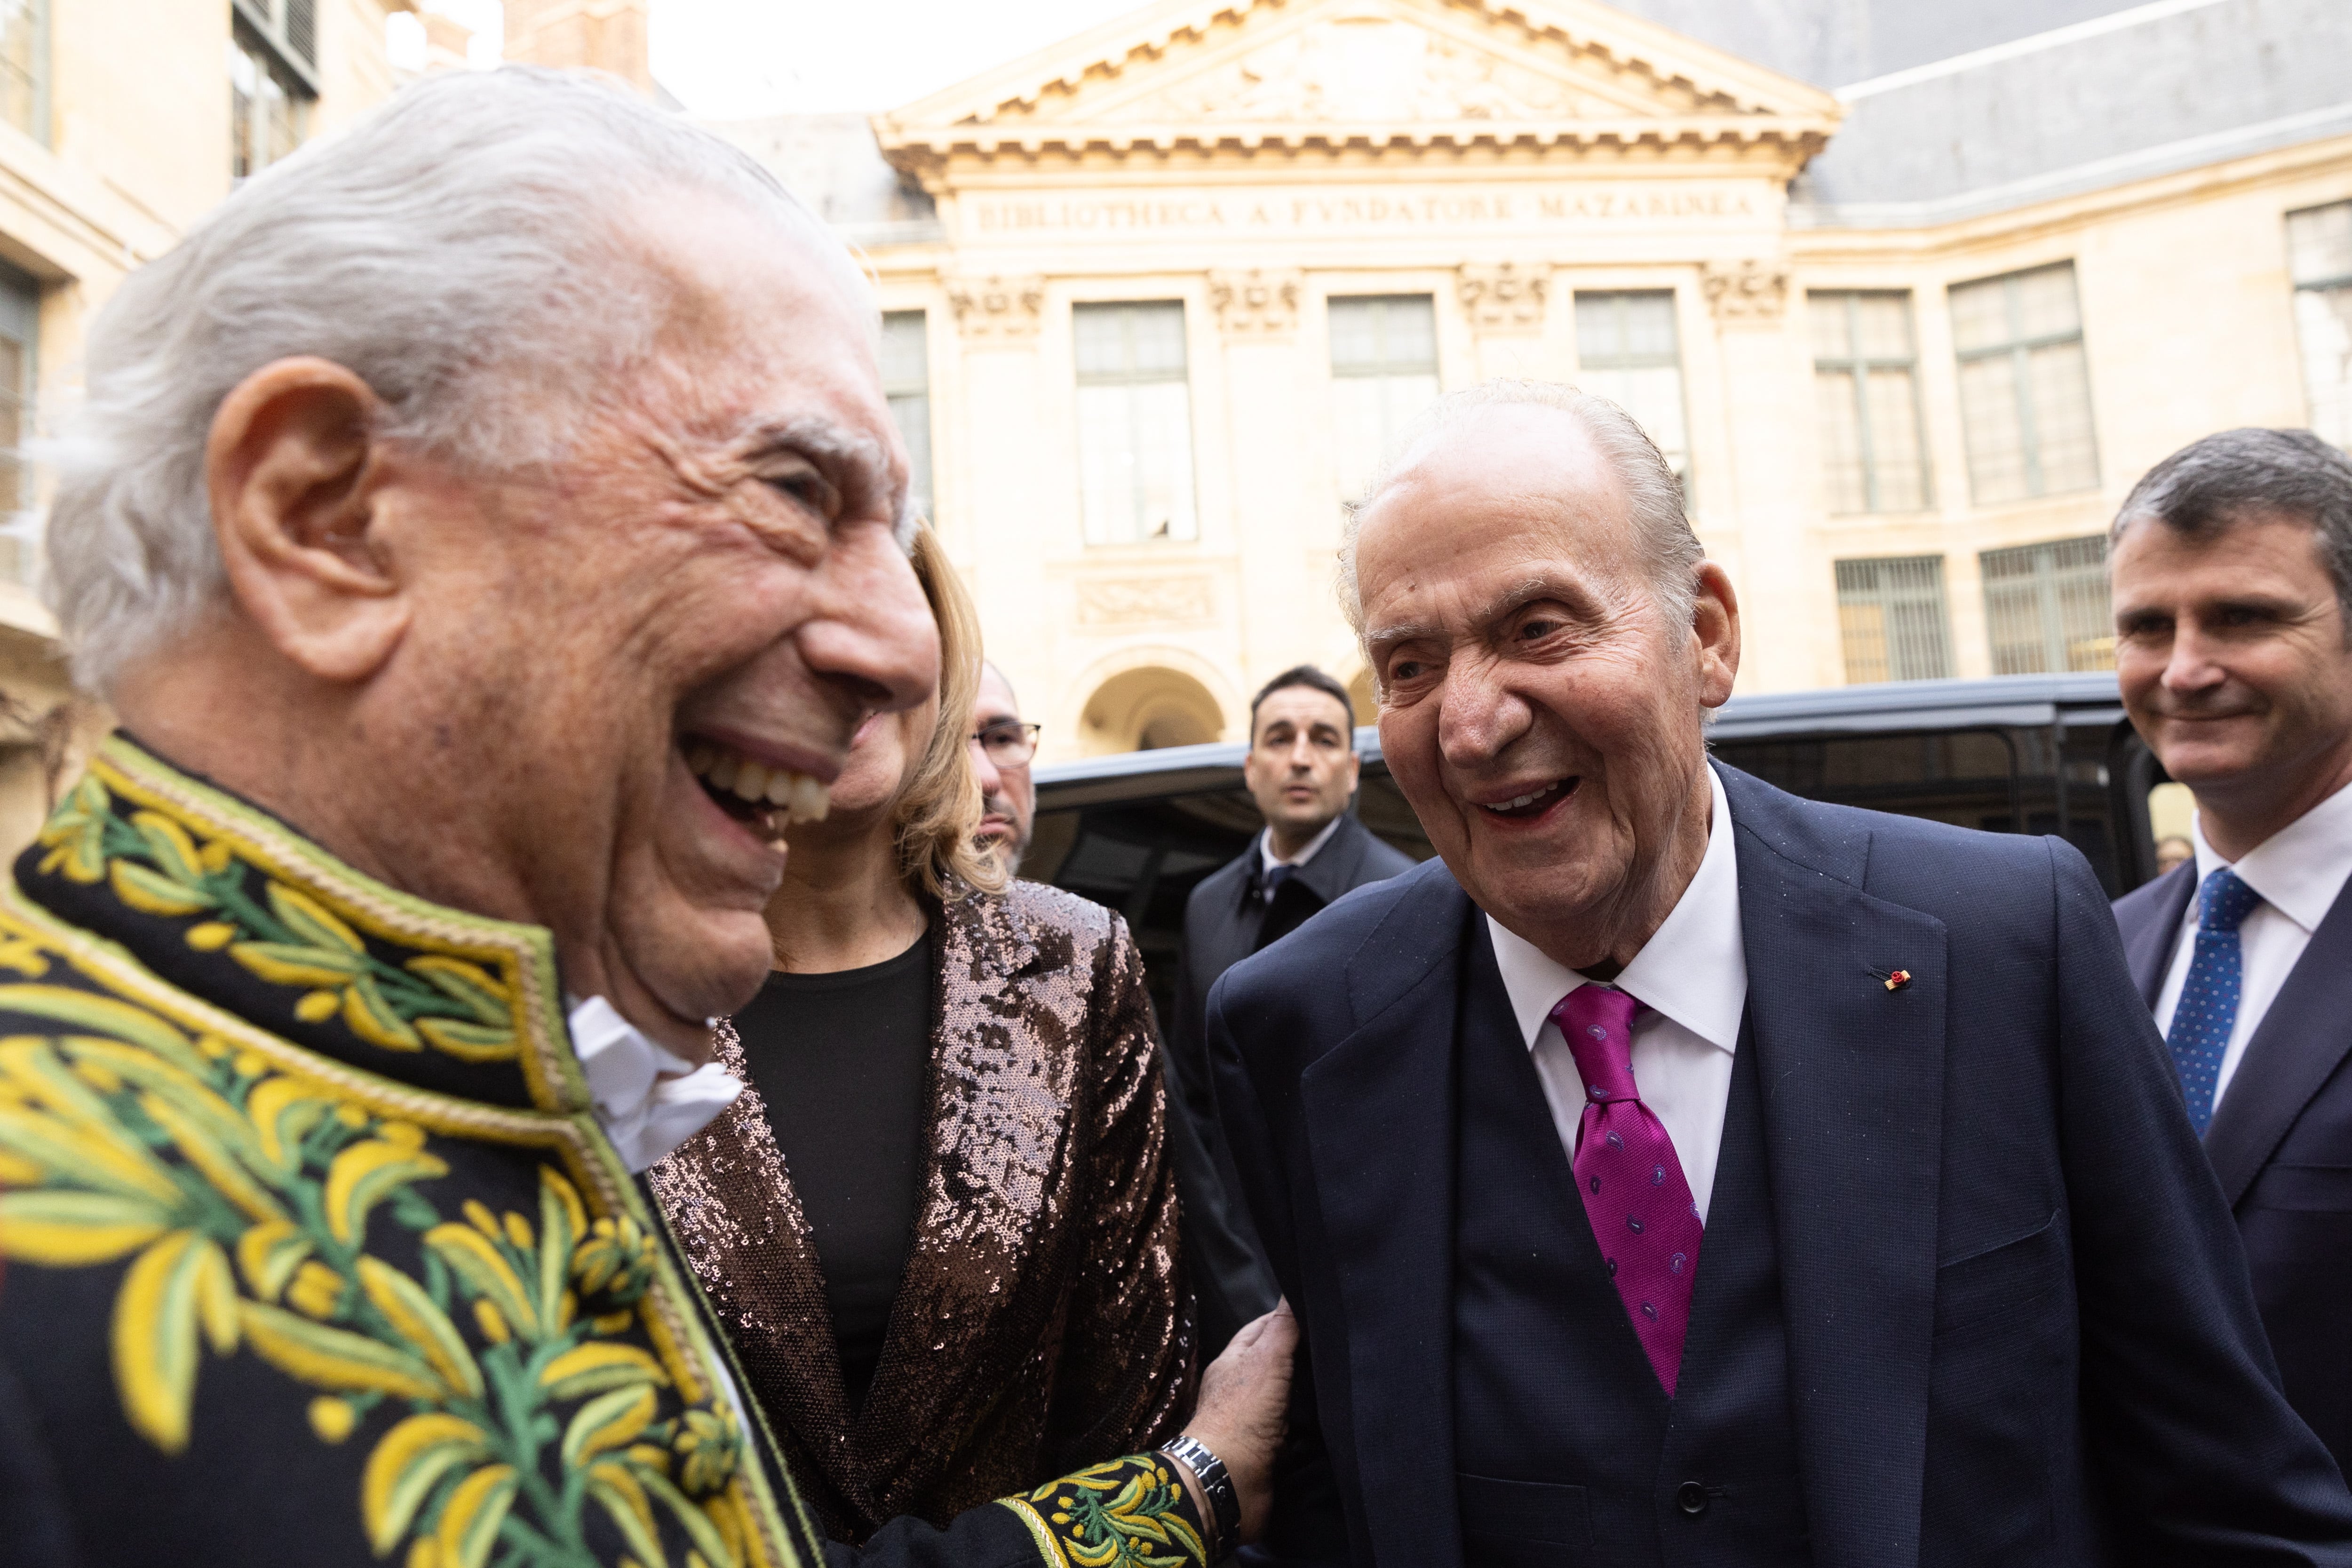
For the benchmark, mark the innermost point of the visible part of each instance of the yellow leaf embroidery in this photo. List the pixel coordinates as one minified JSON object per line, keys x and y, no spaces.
{"x":469,"y":984}
{"x":168,"y":846}
{"x":311,"y":921}
{"x":284,"y":964}
{"x":268,"y":1253}
{"x":331,"y":1358}
{"x":371,"y":1018}
{"x":607,"y":1421}
{"x":155,"y":1337}
{"x":408,"y":1463}
{"x":152,"y":894}
{"x":611,"y":1484}
{"x":597,"y":1366}
{"x":424,"y":1325}
{"x":482,"y":1265}
{"x":471,"y":1519}
{"x":283,"y":1111}
{"x":64,"y":1229}
{"x":470,"y":1042}
{"x":366,"y":1173}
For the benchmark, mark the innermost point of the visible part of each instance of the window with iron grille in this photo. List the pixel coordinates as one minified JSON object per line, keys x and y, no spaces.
{"x":1134,"y":423}
{"x":907,"y":383}
{"x":1628,"y":352}
{"x":1383,"y":372}
{"x":272,"y":55}
{"x":1892,"y":615}
{"x":2025,"y":386}
{"x":2319,"y":252}
{"x":2047,"y":606}
{"x":24,"y":66}
{"x":1865,"y":382}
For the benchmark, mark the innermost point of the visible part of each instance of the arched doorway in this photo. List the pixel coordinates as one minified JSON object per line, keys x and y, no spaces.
{"x":1146,"y":708}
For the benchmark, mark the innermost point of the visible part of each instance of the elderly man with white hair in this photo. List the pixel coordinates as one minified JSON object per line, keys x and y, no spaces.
{"x":1677,"y":1172}
{"x":435,"y":502}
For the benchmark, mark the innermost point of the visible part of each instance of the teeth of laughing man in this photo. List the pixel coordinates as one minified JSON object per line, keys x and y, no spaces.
{"x":800,"y":796}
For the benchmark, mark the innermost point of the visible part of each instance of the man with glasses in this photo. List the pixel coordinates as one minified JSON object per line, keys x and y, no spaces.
{"x":1001,"y":747}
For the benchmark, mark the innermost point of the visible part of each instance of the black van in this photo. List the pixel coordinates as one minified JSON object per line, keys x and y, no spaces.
{"x":2020,"y":754}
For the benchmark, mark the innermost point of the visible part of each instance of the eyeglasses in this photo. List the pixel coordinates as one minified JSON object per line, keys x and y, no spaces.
{"x":1008,"y":744}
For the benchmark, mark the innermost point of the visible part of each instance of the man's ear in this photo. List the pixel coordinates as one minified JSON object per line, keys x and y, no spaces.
{"x":1715,"y":634}
{"x":294,"y":473}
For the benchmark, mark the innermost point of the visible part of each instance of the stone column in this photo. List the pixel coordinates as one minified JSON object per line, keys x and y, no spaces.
{"x":1781,"y":584}
{"x":1505,"y":301}
{"x":1281,"y":496}
{"x":994,"y":433}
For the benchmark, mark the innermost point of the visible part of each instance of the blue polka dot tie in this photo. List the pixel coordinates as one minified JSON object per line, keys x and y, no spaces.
{"x":2209,"y":998}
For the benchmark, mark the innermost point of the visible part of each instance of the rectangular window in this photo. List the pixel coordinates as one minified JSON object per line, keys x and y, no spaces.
{"x":906,"y":382}
{"x":1865,"y":382}
{"x":1383,"y":372}
{"x":1891,"y":611}
{"x":2047,"y":606}
{"x":272,"y":52}
{"x":24,"y":66}
{"x":2025,"y":387}
{"x":1628,"y":350}
{"x":1134,"y":423}
{"x":2319,"y":252}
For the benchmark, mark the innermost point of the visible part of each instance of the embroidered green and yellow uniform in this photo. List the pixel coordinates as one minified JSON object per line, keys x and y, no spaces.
{"x":316,"y":1252}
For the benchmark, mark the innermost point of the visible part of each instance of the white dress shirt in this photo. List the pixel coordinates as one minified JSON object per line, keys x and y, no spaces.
{"x":1269,"y":859}
{"x":1691,"y":976}
{"x":2299,"y":872}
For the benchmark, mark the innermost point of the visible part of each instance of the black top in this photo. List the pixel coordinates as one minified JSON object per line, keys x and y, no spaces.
{"x":842,"y":1062}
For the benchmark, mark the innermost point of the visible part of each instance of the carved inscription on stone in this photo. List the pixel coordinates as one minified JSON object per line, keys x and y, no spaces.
{"x":998,"y":308}
{"x":1125,"y":601}
{"x":1256,"y":304}
{"x":1746,"y":290}
{"x":1504,"y":298}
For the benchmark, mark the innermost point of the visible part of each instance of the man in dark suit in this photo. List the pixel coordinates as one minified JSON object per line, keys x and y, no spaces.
{"x":1301,"y":770}
{"x":1676,"y":1171}
{"x":2232,"y":569}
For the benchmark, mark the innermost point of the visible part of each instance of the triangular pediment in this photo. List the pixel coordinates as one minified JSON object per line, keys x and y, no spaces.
{"x":1365,"y":74}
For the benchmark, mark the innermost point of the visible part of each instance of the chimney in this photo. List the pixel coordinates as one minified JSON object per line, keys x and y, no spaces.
{"x":602,"y":35}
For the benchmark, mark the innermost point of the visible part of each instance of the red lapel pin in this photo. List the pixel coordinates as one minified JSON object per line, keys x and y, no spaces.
{"x":1895,"y":979}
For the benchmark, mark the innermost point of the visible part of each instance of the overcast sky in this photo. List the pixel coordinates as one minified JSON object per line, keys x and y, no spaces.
{"x":734,"y":59}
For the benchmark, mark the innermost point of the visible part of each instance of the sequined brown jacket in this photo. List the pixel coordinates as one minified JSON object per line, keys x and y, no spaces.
{"x":1042,"y":1323}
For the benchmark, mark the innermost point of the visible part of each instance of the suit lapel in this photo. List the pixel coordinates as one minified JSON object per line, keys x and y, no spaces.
{"x":1852,"y":1078}
{"x":2301,"y":1041}
{"x":1379,"y":1110}
{"x":1333,"y":870}
{"x":2150,"y":948}
{"x":1005,"y":1070}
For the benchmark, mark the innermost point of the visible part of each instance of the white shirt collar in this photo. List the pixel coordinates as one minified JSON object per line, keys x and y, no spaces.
{"x":648,"y":1100}
{"x":2300,"y":869}
{"x":1270,"y":859}
{"x":1694,"y":970}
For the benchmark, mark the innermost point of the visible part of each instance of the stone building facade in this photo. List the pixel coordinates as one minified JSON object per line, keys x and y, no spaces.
{"x":121,"y":124}
{"x":1909,"y":299}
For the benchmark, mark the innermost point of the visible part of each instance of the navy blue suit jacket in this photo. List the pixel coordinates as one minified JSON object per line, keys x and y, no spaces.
{"x":2280,"y":1143}
{"x":2018,"y":1326}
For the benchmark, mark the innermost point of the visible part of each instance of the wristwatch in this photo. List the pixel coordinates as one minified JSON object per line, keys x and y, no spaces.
{"x":1216,"y":1484}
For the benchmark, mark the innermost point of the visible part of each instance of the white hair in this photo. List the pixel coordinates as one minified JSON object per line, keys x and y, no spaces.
{"x":1654,"y":495}
{"x":465,"y":251}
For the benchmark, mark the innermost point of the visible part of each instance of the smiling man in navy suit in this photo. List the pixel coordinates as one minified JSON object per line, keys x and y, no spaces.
{"x":2232,"y":569}
{"x":1675,"y":1171}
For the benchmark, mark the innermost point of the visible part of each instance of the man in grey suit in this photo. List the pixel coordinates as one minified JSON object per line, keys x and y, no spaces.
{"x":2232,"y":581}
{"x":1301,"y":770}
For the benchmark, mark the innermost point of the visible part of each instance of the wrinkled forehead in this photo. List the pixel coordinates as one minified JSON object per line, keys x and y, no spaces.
{"x":1508,"y":492}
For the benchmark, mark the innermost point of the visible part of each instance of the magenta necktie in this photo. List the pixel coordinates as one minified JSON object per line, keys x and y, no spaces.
{"x":1632,"y":1182}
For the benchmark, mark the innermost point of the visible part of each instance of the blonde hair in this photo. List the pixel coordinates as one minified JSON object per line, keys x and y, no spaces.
{"x":937,"y":814}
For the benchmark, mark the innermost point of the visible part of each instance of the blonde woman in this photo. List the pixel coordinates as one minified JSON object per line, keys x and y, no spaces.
{"x":937,"y":1225}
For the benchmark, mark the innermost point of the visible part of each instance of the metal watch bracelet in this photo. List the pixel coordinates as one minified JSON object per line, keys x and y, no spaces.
{"x":1216,"y":1484}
